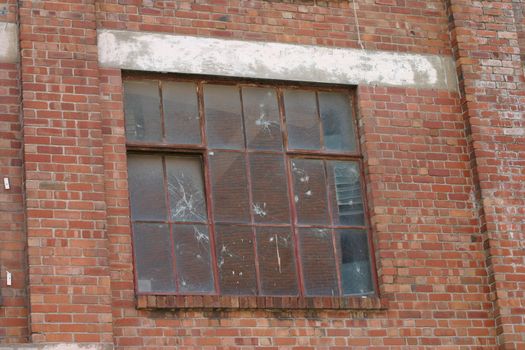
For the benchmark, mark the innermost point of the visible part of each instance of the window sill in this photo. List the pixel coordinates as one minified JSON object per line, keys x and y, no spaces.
{"x":257,"y":302}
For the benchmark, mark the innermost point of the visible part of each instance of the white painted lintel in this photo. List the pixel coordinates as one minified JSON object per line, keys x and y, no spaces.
{"x":159,"y":52}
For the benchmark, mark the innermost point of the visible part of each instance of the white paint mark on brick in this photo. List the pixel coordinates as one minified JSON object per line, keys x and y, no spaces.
{"x":269,"y":60}
{"x":514,"y":131}
{"x":8,"y":42}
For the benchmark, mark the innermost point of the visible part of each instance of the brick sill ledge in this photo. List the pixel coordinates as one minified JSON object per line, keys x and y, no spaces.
{"x":371,"y":302}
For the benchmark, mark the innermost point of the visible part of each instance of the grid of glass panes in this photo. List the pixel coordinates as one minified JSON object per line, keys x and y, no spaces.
{"x":238,"y":189}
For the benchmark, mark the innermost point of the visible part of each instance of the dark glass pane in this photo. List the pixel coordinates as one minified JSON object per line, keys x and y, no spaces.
{"x":223,"y":117}
{"x":275,"y":250}
{"x":146,"y":187}
{"x":142,"y":111}
{"x":318,"y":262}
{"x":261,"y":118}
{"x":310,"y":191}
{"x":345,"y":192}
{"x":192,"y":258}
{"x":269,"y":188}
{"x":229,"y":187}
{"x":338,"y":127}
{"x":153,"y":258}
{"x":302,"y":121}
{"x":186,"y":189}
{"x":181,"y":113}
{"x":236,"y":260}
{"x":354,"y":262}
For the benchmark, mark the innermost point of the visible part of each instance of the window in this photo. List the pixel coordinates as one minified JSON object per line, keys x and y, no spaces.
{"x":245,"y":189}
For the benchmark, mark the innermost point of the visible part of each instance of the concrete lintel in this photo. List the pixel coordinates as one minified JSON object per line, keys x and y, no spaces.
{"x":269,"y":60}
{"x":8,"y":43}
{"x":57,"y":346}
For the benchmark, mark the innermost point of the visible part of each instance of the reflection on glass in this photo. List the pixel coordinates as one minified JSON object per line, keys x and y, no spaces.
{"x":301,"y":119}
{"x":142,"y":111}
{"x":355,"y":268}
{"x":336,"y":115}
{"x":181,"y":113}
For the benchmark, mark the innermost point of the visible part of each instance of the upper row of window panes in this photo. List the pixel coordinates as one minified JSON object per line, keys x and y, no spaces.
{"x":238,"y":116}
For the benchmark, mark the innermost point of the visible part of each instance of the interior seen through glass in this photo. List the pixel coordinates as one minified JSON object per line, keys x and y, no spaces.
{"x":260,"y":205}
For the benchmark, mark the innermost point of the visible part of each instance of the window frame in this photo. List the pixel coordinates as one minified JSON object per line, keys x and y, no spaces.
{"x":153,"y":300}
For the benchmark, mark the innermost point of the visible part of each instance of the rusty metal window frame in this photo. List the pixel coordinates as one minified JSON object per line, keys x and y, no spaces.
{"x":202,"y":150}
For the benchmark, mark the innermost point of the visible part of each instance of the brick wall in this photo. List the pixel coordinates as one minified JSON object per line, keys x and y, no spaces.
{"x":444,"y":172}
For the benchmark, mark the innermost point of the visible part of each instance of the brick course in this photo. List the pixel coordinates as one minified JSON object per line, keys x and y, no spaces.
{"x":444,"y":171}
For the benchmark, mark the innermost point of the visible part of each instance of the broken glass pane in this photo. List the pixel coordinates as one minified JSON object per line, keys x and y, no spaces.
{"x":275,"y":250}
{"x":153,"y":258}
{"x":146,"y":179}
{"x":192,"y":258}
{"x":302,"y":121}
{"x":309,"y":191}
{"x":338,"y":127}
{"x":318,"y":262}
{"x":344,"y":179}
{"x":229,"y":187}
{"x":353,"y":255}
{"x":261,"y":118}
{"x":223,"y":117}
{"x":142,"y":111}
{"x":269,"y":188}
{"x":236,"y":259}
{"x":181,"y":113}
{"x":186,"y":189}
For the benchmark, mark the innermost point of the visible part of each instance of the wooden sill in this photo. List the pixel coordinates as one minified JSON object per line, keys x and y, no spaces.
{"x":151,"y":302}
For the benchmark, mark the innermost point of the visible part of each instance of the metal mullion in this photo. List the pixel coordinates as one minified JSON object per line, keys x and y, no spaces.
{"x":289,"y":181}
{"x":250,"y":196}
{"x":331,"y":220}
{"x":161,"y":110}
{"x":170,"y":226}
{"x":321,"y":129}
{"x":324,"y":155}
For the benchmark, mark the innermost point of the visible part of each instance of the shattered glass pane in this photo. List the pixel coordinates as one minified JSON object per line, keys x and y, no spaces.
{"x":275,"y":250}
{"x":186,"y":189}
{"x":302,"y":121}
{"x":261,"y":118}
{"x":236,"y":259}
{"x":310,"y":191}
{"x":153,"y":258}
{"x":269,"y":188}
{"x":336,"y":116}
{"x":223,"y":117}
{"x":318,"y":262}
{"x":229,"y":187}
{"x":344,"y":179}
{"x":142,"y":111}
{"x":353,"y":255}
{"x":145,"y":179}
{"x":192,"y":258}
{"x":181,"y":113}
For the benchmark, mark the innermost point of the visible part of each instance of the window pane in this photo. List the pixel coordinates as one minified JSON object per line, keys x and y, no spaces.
{"x":275,"y":250}
{"x":310,"y":191}
{"x":192,"y":258}
{"x":146,"y":186}
{"x":302,"y":121}
{"x":269,"y":189}
{"x":153,"y":258}
{"x":261,"y":115}
{"x":142,"y":111}
{"x":318,"y":262}
{"x":181,"y":113}
{"x":354,"y":260}
{"x":338,"y":127}
{"x":186,"y":189}
{"x":236,"y":259}
{"x":229,"y":187}
{"x":345,"y":192}
{"x":223,"y":117}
